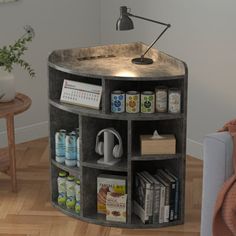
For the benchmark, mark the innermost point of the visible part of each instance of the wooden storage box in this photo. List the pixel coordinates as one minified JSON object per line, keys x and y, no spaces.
{"x":165,"y":145}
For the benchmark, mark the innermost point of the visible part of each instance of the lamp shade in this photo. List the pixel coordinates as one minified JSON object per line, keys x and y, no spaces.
{"x":124,"y":22}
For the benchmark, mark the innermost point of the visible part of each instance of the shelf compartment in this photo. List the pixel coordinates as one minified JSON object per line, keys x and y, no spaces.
{"x":147,"y":85}
{"x":60,"y":119}
{"x":90,"y":190}
{"x":120,"y":166}
{"x":174,"y":127}
{"x":57,"y":78}
{"x":75,"y":171}
{"x":91,"y":127}
{"x":173,"y":166}
{"x":114,"y":116}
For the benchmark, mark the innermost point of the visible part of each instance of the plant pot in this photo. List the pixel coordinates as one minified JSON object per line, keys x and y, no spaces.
{"x":7,"y":86}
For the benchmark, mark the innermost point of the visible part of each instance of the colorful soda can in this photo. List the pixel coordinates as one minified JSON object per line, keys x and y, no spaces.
{"x":71,"y":149}
{"x":117,"y":101}
{"x":147,"y":102}
{"x":161,"y":99}
{"x":60,"y":146}
{"x":132,"y":101}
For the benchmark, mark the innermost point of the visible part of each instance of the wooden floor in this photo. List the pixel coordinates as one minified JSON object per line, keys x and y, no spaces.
{"x":29,"y":212}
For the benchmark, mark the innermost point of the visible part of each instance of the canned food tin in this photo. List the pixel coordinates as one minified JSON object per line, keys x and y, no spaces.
{"x":132,"y":101}
{"x":117,"y":101}
{"x":71,"y":149}
{"x":174,"y":105}
{"x":147,"y":102}
{"x":161,"y":99}
{"x":60,"y":139}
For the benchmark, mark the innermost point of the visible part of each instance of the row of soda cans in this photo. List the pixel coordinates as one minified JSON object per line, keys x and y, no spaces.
{"x":67,"y":147}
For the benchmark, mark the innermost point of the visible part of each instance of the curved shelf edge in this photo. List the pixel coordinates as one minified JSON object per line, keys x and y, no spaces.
{"x":73,"y":170}
{"x":158,"y":157}
{"x":119,"y":167}
{"x":100,"y":220}
{"x":122,"y":116}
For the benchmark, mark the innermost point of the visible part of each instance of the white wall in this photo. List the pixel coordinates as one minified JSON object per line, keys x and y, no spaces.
{"x":202,"y":34}
{"x":58,"y":24}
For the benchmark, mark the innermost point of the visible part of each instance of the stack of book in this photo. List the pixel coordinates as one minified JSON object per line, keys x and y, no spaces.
{"x":156,"y":197}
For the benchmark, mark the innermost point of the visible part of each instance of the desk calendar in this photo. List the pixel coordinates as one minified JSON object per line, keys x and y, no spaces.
{"x":82,"y":94}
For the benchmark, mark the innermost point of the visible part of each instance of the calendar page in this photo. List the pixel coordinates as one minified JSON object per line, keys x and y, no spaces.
{"x":82,"y":94}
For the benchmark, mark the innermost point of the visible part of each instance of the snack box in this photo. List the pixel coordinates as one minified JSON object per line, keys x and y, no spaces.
{"x":108,"y":183}
{"x":116,"y":207}
{"x":164,"y":145}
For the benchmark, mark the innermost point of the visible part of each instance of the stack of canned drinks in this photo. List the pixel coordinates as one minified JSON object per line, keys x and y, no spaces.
{"x":67,"y":147}
{"x":68,"y":191}
{"x":162,"y":100}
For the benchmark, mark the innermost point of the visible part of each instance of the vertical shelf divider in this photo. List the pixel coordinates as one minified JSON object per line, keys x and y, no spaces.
{"x":129,"y":174}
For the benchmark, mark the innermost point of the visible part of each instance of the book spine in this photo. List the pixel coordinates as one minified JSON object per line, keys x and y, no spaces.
{"x":162,"y":204}
{"x":167,"y":205}
{"x":176,"y":202}
{"x":172,"y":201}
{"x":176,"y":213}
{"x":149,"y":204}
{"x":172,"y":192}
{"x":143,"y":201}
{"x":156,"y":203}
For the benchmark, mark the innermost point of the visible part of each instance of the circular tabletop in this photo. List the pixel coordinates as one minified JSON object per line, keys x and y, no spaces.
{"x":20,"y":104}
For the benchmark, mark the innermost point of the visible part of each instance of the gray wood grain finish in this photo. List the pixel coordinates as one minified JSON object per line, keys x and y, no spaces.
{"x":95,"y":62}
{"x":166,"y":71}
{"x":112,"y":116}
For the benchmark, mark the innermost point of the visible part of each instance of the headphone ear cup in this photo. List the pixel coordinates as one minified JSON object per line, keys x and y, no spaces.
{"x":100,"y":148}
{"x":117,"y":151}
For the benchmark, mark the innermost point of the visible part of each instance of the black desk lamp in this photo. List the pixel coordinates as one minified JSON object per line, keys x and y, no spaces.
{"x":125,"y":23}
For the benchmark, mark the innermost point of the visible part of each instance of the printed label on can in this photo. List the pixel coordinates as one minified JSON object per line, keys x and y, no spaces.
{"x":174,"y":102}
{"x":161,"y":100}
{"x":132,"y":102}
{"x":117,"y":101}
{"x":147,"y":102}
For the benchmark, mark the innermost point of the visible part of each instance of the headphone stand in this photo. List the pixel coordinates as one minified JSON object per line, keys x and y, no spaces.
{"x":108,"y":158}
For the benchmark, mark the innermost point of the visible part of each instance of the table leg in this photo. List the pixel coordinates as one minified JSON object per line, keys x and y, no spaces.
{"x":11,"y":147}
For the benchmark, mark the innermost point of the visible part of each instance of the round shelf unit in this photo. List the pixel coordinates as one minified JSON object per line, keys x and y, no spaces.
{"x":115,"y":73}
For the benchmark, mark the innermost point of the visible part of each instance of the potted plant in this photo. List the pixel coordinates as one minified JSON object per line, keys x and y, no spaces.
{"x":9,"y":56}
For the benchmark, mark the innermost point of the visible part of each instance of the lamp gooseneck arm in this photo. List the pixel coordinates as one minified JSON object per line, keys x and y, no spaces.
{"x":154,"y":21}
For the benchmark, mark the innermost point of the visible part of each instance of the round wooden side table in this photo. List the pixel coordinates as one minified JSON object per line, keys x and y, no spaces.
{"x":7,"y":155}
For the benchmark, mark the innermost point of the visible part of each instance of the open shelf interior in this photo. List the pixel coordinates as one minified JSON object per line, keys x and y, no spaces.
{"x":140,"y":86}
{"x":151,"y":167}
{"x":90,"y":190}
{"x":163,"y":127}
{"x":57,"y":78}
{"x":60,"y":119}
{"x":90,"y":129}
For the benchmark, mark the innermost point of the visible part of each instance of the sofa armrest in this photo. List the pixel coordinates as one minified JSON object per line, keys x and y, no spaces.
{"x":217,"y":167}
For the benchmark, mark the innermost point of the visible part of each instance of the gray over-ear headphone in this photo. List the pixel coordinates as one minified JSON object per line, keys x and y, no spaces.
{"x":118,"y":148}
